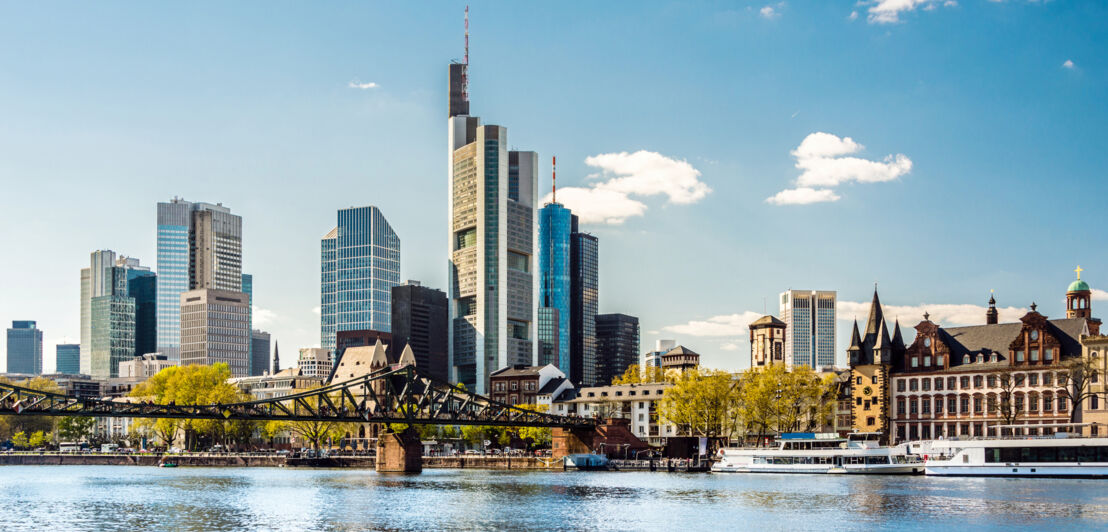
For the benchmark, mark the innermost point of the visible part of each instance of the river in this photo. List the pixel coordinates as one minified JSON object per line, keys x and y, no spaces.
{"x":128,"y":498}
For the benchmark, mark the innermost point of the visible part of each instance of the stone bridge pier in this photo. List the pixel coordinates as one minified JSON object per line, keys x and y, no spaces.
{"x":612,"y":436}
{"x":399,"y":452}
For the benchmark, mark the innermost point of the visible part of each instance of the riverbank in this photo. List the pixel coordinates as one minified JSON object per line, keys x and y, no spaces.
{"x":271,"y":460}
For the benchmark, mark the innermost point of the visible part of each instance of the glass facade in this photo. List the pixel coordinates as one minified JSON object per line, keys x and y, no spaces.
{"x":359,"y":266}
{"x":24,"y":348}
{"x":113,"y":326}
{"x":584,"y":295}
{"x":142,"y":286}
{"x":809,"y":316}
{"x":68,"y":359}
{"x":617,"y":345}
{"x":555,"y":225}
{"x":173,"y":273}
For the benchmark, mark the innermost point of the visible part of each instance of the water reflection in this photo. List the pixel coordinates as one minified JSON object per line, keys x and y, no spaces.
{"x":142,"y":498}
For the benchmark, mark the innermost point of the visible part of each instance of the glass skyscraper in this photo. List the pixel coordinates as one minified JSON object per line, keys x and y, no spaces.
{"x":113,"y":324}
{"x":24,"y":348}
{"x":809,"y":317}
{"x":555,"y":226}
{"x":118,"y":312}
{"x":584,"y":296}
{"x":68,"y":359}
{"x":359,"y":265}
{"x":199,"y":246}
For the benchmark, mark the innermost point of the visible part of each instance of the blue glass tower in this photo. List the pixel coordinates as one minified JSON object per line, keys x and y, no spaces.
{"x":24,"y":348}
{"x":173,"y":269}
{"x":142,"y":285}
{"x":69,"y":359}
{"x":555,"y":226}
{"x":360,"y":263}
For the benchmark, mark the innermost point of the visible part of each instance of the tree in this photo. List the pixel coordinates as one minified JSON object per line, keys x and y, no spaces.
{"x":194,"y":385}
{"x":75,"y":428}
{"x":539,"y":436}
{"x":775,"y":399}
{"x":20,"y":441}
{"x":1077,"y":380}
{"x":38,"y":439}
{"x":1008,"y":380}
{"x":702,"y":402}
{"x":9,"y":425}
{"x":316,"y":432}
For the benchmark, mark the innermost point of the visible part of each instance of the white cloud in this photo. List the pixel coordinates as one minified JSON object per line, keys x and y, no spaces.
{"x":768,"y":12}
{"x":1100,"y":295}
{"x":261,"y":317}
{"x":730,"y":346}
{"x":359,"y":85}
{"x":824,"y":161}
{"x":317,"y":310}
{"x":803,"y":196}
{"x":889,"y":11}
{"x":853,"y":15}
{"x":1068,"y":64}
{"x":622,"y":175}
{"x":723,"y":325}
{"x":946,"y":314}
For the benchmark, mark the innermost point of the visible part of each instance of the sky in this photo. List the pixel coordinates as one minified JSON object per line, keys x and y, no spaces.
{"x":722,"y":152}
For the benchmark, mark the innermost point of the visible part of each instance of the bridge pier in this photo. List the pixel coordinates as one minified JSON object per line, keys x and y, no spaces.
{"x":612,"y":436}
{"x":399,"y":452}
{"x":564,"y":442}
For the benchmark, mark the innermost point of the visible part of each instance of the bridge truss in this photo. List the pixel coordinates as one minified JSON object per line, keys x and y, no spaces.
{"x":388,"y":395}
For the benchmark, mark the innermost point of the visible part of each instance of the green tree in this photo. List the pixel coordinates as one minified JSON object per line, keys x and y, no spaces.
{"x":194,"y":385}
{"x":20,"y":441}
{"x":774,"y":399}
{"x":316,"y":432}
{"x":28,"y":424}
{"x":702,"y":402}
{"x":38,"y":439}
{"x":539,"y":436}
{"x":75,"y":428}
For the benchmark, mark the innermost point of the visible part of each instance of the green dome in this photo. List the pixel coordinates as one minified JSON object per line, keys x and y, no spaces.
{"x":1078,"y":286}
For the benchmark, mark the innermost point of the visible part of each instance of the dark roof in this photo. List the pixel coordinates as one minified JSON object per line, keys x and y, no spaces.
{"x":997,"y":337}
{"x":552,"y":385}
{"x":767,"y":321}
{"x":680,"y":350}
{"x":517,"y":371}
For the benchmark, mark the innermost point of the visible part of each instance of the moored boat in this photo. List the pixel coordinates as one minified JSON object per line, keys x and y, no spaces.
{"x":586,"y":462}
{"x":1061,"y":454}
{"x":859,"y":453}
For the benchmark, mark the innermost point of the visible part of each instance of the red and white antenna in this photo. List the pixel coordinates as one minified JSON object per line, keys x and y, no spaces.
{"x":554,"y":179}
{"x":465,"y":71}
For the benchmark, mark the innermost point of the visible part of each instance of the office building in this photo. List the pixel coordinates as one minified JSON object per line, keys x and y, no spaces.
{"x":68,"y":359}
{"x":653,"y":359}
{"x":584,"y":295}
{"x":143,"y":367}
{"x":259,"y":352}
{"x":118,"y":312}
{"x":359,"y":265}
{"x":809,"y":317}
{"x":491,"y":234}
{"x":555,"y":227}
{"x":248,"y":289}
{"x":617,"y":345}
{"x":25,"y":348}
{"x":315,"y":362}
{"x":199,"y":246}
{"x":419,"y":321}
{"x":142,"y":286}
{"x":214,"y":329}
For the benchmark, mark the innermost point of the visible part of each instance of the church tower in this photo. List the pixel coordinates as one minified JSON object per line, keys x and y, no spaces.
{"x":991,"y":315}
{"x":1078,"y":296}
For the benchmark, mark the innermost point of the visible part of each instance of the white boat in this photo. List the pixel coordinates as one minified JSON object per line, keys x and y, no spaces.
{"x":1059,"y":455}
{"x":586,"y":462}
{"x":859,"y":453}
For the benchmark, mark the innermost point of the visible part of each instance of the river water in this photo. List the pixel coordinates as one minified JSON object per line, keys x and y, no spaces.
{"x":148,"y":498}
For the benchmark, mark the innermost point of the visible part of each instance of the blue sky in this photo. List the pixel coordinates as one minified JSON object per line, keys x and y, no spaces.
{"x":964,"y":142}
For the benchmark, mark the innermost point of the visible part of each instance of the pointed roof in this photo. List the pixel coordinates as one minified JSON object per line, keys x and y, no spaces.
{"x":766,"y":321}
{"x":855,"y":339}
{"x":883,"y":341}
{"x":407,"y":357}
{"x":898,"y":339}
{"x":379,"y":359}
{"x":876,"y":316}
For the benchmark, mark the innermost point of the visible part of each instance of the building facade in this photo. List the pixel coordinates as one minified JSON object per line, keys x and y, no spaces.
{"x":617,"y":345}
{"x":215,"y":328}
{"x":809,"y":317}
{"x":767,"y":342}
{"x":199,"y":247}
{"x":583,"y":303}
{"x":143,"y":367}
{"x":653,"y":359}
{"x":871,"y":357}
{"x":521,"y":385}
{"x":634,"y":402}
{"x":112,"y":319}
{"x":491,"y":242}
{"x":68,"y":359}
{"x":360,"y":263}
{"x":259,"y":352}
{"x":1094,"y":410}
{"x":555,"y":227}
{"x":315,"y":362}
{"x":419,"y":320}
{"x":25,"y":348}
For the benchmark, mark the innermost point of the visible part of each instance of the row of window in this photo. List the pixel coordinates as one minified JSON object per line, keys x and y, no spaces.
{"x":961,"y":405}
{"x":527,"y":386}
{"x":979,"y":381}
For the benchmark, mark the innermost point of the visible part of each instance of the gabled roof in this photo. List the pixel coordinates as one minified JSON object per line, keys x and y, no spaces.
{"x":996,"y":338}
{"x":517,"y":371}
{"x":767,"y":321}
{"x":552,"y":385}
{"x":680,"y":350}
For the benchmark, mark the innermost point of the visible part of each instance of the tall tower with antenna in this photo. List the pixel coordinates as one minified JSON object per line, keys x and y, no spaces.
{"x":458,"y":104}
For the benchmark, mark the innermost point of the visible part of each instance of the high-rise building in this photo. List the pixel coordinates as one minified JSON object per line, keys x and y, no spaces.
{"x":259,"y":353}
{"x":68,"y":359}
{"x":555,"y":227}
{"x":142,"y":286}
{"x":491,"y":235}
{"x":584,"y":295}
{"x":118,"y":312}
{"x":359,"y":265}
{"x":248,"y":289}
{"x":419,"y":318}
{"x":199,"y":246}
{"x":617,"y":345}
{"x":809,"y":317}
{"x":24,"y":348}
{"x":653,"y":359}
{"x":214,"y":329}
{"x":315,"y":362}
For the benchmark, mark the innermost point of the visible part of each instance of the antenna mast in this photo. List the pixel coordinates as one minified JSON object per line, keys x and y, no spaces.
{"x":465,"y":71}
{"x":554,"y":179}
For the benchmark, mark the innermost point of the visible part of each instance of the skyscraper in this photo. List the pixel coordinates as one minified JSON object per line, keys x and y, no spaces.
{"x":118,"y":312}
{"x":68,"y":359}
{"x":24,"y":348}
{"x":248,"y":289}
{"x":142,"y":286}
{"x":809,"y":317}
{"x":199,"y":246}
{"x":359,"y":265}
{"x":259,"y":352}
{"x":214,"y":329}
{"x":419,"y":318}
{"x":584,"y":295}
{"x":617,"y":345}
{"x":555,"y":226}
{"x":491,"y":241}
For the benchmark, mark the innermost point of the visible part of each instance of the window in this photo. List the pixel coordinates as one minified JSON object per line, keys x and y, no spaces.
{"x":991,"y":403}
{"x":952,"y":405}
{"x":939,"y":360}
{"x":900,"y":406}
{"x":515,"y":385}
{"x":915,"y":362}
{"x":913,"y":385}
{"x":977,"y":405}
{"x":873,"y":379}
{"x":977,"y":381}
{"x":914,"y":405}
{"x":939,"y":384}
{"x":992,"y":381}
{"x":964,"y":382}
{"x":938,"y":406}
{"x":1048,"y":354}
{"x":865,"y":405}
{"x":859,"y":401}
{"x":1094,"y":403}
{"x":1048,"y":379}
{"x":858,"y":380}
{"x":925,"y":406}
{"x":1034,"y":335}
{"x":927,"y":360}
{"x":926,"y":385}
{"x":900,"y":385}
{"x":1019,"y":355}
{"x":951,"y":383}
{"x":1095,"y":377}
{"x":870,"y":421}
{"x":964,"y":405}
{"x":1048,"y":404}
{"x":965,"y":359}
{"x":1033,"y":379}
{"x":1034,"y":354}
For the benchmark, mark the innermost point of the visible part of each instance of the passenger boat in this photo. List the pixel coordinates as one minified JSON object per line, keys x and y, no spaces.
{"x":586,"y":462}
{"x":858,"y":453}
{"x":1061,"y":454}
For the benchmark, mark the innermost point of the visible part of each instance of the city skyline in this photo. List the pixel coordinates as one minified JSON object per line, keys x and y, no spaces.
{"x":934,"y":194}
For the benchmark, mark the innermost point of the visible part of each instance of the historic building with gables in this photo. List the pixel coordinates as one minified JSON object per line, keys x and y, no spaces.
{"x":871,"y":359}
